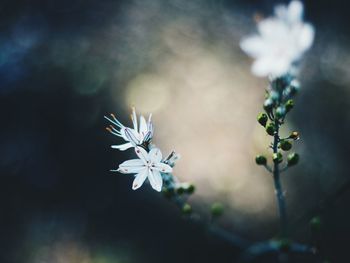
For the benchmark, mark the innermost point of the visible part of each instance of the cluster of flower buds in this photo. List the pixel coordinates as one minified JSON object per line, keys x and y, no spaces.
{"x":278,"y":103}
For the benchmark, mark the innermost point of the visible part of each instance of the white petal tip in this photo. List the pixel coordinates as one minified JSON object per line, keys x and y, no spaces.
{"x":158,"y":189}
{"x":135,"y":187}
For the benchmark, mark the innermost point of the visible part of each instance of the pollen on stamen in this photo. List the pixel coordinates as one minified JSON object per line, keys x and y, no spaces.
{"x":108,"y":129}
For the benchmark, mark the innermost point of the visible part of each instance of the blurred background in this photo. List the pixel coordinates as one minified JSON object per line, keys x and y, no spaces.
{"x":65,"y":64}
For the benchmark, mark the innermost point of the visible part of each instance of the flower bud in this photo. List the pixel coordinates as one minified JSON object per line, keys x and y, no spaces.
{"x":277,"y":157}
{"x":186,"y":209}
{"x":274,"y":95}
{"x":294,"y":87}
{"x":260,"y":160}
{"x":270,"y":129}
{"x":180,"y":190}
{"x":190,"y":189}
{"x":262,"y":119}
{"x":294,"y":135}
{"x":268,"y":105}
{"x":281,"y":112}
{"x":185,"y":188}
{"x":293,"y":159}
{"x":172,"y":158}
{"x":217,"y":209}
{"x":289,"y":105}
{"x":285,"y":145}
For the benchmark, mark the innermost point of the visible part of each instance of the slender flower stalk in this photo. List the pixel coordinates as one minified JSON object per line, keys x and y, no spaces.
{"x":278,"y":186}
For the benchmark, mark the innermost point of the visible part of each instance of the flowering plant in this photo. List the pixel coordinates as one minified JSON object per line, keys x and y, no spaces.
{"x":277,"y":49}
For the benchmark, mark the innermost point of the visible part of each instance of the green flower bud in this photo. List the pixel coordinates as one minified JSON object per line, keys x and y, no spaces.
{"x":281,"y":112}
{"x":217,"y":209}
{"x":277,"y":157}
{"x":315,"y":223}
{"x":274,"y":95}
{"x":262,"y":119}
{"x":260,"y":160}
{"x":268,"y":105}
{"x":270,"y":129}
{"x":190,"y":189}
{"x":293,"y":159}
{"x":186,"y":209}
{"x":185,"y":188}
{"x":180,"y":190}
{"x":285,"y":145}
{"x":289,"y":105}
{"x":294,"y":135}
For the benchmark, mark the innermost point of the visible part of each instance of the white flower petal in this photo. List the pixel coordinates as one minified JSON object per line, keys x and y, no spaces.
{"x":295,"y":12}
{"x":306,"y":37}
{"x":143,"y":126}
{"x":262,"y":67}
{"x":131,"y":166}
{"x":142,"y":154}
{"x":122,"y":132}
{"x":273,"y":29}
{"x":122,"y":147}
{"x":156,"y":180}
{"x":254,"y":46}
{"x":132,"y":163}
{"x":132,"y":136}
{"x":150,"y":118}
{"x":134,"y":119}
{"x":149,"y":127}
{"x":155,"y":155}
{"x":140,"y":179}
{"x":162,"y":167}
{"x":281,"y":11}
{"x":271,"y":66}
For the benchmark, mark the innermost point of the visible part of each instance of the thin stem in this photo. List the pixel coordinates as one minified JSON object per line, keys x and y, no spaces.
{"x":278,"y":187}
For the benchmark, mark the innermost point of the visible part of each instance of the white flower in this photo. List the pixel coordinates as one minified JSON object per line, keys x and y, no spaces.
{"x":281,"y":41}
{"x":148,"y":165}
{"x":134,"y":136}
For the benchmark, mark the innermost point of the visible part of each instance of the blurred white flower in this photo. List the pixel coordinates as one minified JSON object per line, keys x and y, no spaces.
{"x":134,"y":136}
{"x":280,"y":42}
{"x":148,"y":165}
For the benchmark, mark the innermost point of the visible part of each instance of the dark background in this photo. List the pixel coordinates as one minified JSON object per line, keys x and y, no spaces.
{"x":58,"y":200}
